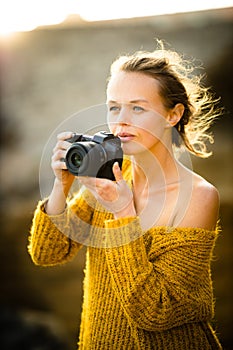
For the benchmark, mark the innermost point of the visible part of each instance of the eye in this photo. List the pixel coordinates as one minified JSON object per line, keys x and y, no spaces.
{"x":113,"y":108}
{"x":138,"y":109}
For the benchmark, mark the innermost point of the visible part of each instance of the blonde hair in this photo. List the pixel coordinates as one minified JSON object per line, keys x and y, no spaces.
{"x":177,"y":84}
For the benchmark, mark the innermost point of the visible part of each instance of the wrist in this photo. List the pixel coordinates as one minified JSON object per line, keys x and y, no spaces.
{"x":62,"y":187}
{"x":126,"y":212}
{"x":56,"y":203}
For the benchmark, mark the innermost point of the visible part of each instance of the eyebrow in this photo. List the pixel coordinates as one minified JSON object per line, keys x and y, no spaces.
{"x":132,"y":101}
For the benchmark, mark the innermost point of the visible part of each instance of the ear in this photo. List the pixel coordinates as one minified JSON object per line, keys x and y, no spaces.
{"x":175,"y":114}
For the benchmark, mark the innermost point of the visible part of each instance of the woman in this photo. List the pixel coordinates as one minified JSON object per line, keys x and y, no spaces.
{"x":148,"y":286}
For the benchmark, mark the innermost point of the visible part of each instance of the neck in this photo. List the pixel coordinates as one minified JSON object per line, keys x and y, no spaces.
{"x":155,"y":168}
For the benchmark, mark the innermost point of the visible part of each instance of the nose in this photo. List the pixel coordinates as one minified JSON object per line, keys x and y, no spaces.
{"x":123,"y":116}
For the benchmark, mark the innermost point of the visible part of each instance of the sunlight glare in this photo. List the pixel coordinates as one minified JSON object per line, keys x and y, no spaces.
{"x":106,"y":10}
{"x":26,"y":15}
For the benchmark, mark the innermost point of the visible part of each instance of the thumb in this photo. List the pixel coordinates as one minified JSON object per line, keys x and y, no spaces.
{"x":117,"y":172}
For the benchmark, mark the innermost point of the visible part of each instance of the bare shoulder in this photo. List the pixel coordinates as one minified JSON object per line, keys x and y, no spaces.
{"x":203,"y":208}
{"x":205,"y":192}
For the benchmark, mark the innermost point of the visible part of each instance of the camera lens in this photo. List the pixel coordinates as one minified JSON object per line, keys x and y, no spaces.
{"x":76,"y":159}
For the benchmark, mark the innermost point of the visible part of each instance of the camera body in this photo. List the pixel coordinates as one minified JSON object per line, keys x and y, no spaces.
{"x":94,"y":155}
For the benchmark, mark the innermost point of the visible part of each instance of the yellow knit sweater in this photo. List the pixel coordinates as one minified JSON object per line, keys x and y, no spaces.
{"x":152,"y":292}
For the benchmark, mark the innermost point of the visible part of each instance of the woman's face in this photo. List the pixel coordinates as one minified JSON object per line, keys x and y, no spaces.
{"x":136,"y":112}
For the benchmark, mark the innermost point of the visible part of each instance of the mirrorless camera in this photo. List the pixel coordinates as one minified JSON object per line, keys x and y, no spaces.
{"x":94,"y":155}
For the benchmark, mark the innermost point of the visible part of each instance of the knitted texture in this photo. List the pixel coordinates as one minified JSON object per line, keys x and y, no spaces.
{"x":154,"y":292}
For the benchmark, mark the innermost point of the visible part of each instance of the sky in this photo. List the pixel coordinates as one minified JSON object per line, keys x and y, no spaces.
{"x":26,"y":15}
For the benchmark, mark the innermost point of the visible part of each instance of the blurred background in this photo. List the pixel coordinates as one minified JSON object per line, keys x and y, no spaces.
{"x":50,"y":73}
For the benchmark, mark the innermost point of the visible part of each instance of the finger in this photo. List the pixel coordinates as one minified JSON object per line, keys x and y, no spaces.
{"x":59,"y":155}
{"x":58,"y":165}
{"x":117,"y":172}
{"x":101,"y":187}
{"x":89,"y":182}
{"x":64,"y":135}
{"x":61,"y":145}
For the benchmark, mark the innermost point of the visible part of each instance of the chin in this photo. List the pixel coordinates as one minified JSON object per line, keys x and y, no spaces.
{"x":130,"y":149}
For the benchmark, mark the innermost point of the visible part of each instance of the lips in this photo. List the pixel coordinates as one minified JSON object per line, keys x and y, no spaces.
{"x":125,"y":136}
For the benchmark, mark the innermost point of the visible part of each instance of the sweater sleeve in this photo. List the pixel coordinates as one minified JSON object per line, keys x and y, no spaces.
{"x":162,"y":279}
{"x":55,"y":239}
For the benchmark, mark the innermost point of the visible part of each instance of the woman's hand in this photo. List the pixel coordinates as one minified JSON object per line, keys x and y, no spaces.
{"x":63,"y":177}
{"x":56,"y":203}
{"x":115,"y":196}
